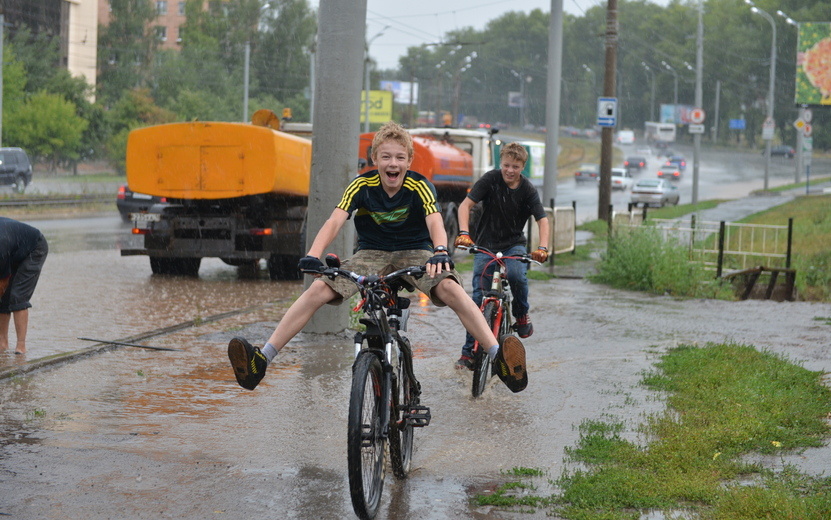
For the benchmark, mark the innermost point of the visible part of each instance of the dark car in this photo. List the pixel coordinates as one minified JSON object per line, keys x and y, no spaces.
{"x":783,"y":150}
{"x":15,"y":169}
{"x":678,"y":161}
{"x":129,"y":202}
{"x":635,"y":163}
{"x":587,"y":172}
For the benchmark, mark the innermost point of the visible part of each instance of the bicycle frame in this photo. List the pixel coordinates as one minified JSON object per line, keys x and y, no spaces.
{"x":384,"y":386}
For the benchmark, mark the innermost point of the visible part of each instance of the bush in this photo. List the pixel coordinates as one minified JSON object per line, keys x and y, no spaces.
{"x":641,"y":259}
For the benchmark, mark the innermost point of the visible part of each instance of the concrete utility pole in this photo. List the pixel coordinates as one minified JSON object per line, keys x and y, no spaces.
{"x":552,"y":102}
{"x":699,"y":65}
{"x":336,"y":122}
{"x":604,"y":198}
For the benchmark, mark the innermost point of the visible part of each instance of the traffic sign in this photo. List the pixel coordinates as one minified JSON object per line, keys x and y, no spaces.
{"x":767,"y":129}
{"x":606,"y":111}
{"x":696,"y":129}
{"x":697,"y":116}
{"x":799,"y":124}
{"x":807,"y":130}
{"x":807,"y":115}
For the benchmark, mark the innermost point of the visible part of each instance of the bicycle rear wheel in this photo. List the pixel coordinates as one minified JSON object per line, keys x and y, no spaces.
{"x":481,"y":359}
{"x":365,"y":441}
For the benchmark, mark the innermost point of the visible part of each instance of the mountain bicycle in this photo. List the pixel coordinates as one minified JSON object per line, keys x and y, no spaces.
{"x":384,"y":403}
{"x":496,"y":307}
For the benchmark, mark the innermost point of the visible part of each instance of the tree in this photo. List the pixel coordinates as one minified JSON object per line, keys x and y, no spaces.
{"x":48,"y":127}
{"x":126,"y":48}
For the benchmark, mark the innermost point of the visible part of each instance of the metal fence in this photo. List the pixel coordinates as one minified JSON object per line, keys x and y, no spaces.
{"x":723,"y":246}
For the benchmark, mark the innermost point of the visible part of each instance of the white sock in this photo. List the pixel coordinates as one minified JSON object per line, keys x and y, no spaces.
{"x":269,"y":351}
{"x":492,"y":351}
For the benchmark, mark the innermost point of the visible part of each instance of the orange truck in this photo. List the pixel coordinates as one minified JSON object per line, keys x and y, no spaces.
{"x":233,"y":191}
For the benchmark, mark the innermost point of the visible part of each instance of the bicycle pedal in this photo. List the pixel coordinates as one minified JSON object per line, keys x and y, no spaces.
{"x":417,"y":416}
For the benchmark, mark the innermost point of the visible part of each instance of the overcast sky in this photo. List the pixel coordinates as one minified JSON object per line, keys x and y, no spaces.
{"x":426,"y":21}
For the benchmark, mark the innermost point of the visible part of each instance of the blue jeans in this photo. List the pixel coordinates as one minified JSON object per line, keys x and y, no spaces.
{"x":516,"y":277}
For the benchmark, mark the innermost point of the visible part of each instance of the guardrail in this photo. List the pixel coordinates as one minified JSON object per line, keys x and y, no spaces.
{"x":56,"y":201}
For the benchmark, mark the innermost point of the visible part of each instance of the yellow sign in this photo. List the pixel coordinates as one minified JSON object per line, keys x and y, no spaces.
{"x":380,"y":106}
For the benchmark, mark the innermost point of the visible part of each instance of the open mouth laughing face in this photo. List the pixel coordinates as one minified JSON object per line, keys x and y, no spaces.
{"x":392,"y":161}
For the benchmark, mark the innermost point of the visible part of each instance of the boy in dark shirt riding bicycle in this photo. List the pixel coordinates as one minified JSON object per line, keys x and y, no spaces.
{"x":508,"y":200}
{"x":398,"y":224}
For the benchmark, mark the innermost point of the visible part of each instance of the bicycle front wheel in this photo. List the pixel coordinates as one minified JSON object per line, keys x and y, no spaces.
{"x":481,"y":359}
{"x":401,"y":431}
{"x":365,"y":441}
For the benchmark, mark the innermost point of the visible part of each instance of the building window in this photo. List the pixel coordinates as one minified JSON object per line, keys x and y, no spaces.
{"x":161,"y":7}
{"x":182,"y":8}
{"x":161,"y":33}
{"x":180,"y":32}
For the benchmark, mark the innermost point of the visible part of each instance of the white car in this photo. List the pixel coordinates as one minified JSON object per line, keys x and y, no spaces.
{"x":654,"y":192}
{"x":621,"y":179}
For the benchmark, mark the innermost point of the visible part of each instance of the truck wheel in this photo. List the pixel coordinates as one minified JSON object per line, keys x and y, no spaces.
{"x":175,"y":266}
{"x":283,"y":267}
{"x":451,"y":226}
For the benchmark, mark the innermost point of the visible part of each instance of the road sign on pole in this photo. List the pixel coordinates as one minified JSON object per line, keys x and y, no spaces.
{"x":696,"y":117}
{"x":606,"y":111}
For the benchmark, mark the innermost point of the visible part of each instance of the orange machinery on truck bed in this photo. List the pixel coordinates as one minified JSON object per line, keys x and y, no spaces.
{"x":234,"y":191}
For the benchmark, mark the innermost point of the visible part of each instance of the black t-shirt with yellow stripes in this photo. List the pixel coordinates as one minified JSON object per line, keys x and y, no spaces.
{"x":391,"y":223}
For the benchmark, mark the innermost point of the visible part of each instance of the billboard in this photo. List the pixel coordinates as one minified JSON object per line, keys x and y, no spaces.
{"x":813,"y":55}
{"x":380,"y":106}
{"x":404,"y":92}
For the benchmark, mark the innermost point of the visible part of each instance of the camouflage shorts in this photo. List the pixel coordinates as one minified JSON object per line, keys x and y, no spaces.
{"x":369,"y":261}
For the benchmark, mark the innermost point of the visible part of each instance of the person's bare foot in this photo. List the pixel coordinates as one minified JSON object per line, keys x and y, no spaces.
{"x":18,"y":352}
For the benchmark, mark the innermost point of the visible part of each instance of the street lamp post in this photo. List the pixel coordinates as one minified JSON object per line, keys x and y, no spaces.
{"x":771,"y":85}
{"x":675,"y":92}
{"x":457,"y":84}
{"x":800,"y":143}
{"x":652,"y":103}
{"x":366,"y":77}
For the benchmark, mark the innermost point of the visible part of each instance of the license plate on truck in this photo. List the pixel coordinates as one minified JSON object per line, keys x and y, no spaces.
{"x":146,"y":217}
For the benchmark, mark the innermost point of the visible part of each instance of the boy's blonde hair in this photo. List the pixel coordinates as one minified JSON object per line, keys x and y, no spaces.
{"x":392,"y":131}
{"x":514,"y":151}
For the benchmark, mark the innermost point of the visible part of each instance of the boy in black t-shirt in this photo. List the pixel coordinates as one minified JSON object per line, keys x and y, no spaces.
{"x":508,"y":201}
{"x":398,"y":224}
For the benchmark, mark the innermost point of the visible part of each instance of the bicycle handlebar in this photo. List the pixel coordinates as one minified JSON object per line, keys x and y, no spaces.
{"x":524,"y":258}
{"x":372,"y":280}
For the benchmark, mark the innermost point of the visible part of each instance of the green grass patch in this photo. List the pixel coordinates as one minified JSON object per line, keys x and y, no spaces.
{"x":640,"y":259}
{"x":811,"y":239}
{"x":724,"y":401}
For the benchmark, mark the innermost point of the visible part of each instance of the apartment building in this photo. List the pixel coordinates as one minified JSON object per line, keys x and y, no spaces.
{"x":75,"y":22}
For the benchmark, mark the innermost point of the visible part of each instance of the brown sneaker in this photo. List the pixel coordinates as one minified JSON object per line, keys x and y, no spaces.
{"x":248,"y":362}
{"x":509,"y":364}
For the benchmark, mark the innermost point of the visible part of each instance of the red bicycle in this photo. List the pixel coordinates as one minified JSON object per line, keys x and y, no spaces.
{"x":496,"y":307}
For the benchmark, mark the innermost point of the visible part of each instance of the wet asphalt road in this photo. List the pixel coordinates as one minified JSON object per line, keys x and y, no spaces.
{"x":133,"y":433}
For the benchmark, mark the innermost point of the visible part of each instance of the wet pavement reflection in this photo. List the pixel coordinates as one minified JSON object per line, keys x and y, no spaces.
{"x":134,"y":433}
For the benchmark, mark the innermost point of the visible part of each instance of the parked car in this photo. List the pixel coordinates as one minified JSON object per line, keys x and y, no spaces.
{"x":587,"y":172}
{"x":783,"y":150}
{"x":129,"y":202}
{"x":669,"y":171}
{"x":635,"y":163}
{"x":621,"y":179}
{"x":654,"y":192}
{"x":15,"y":169}
{"x":677,"y":160}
